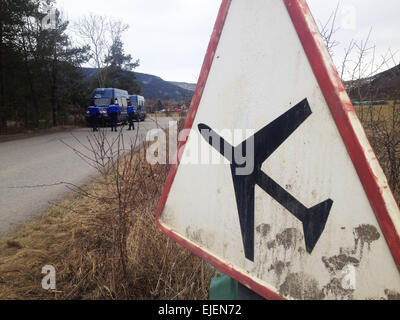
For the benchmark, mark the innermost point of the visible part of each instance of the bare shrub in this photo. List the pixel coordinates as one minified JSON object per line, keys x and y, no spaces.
{"x":361,"y":70}
{"x":381,"y":120}
{"x":382,"y":124}
{"x":132,"y":259}
{"x":103,"y":240}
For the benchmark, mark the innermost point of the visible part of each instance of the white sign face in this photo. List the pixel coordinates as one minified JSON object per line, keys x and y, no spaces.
{"x":299,"y":208}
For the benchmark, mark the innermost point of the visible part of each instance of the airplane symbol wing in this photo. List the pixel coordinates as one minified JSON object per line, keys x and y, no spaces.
{"x":271,"y":137}
{"x":217,"y":142}
{"x":267,"y":140}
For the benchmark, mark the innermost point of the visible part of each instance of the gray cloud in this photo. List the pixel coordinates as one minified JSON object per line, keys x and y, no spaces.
{"x":378,"y":17}
{"x":171,"y":37}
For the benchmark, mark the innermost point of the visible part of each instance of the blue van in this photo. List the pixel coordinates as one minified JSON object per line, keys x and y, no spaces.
{"x":102,"y":98}
{"x":139,"y":106}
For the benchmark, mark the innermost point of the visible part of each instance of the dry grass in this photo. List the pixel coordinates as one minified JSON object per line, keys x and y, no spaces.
{"x":165,"y":115}
{"x":75,"y":238}
{"x":377,"y":112}
{"x":382,"y":124}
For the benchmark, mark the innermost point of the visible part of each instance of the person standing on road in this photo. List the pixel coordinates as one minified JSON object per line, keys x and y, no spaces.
{"x":94,"y":118}
{"x":131,"y":118}
{"x":113,"y":112}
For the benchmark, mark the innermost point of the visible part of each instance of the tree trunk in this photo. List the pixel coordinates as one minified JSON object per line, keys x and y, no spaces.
{"x":54,"y":104}
{"x":29,"y":77}
{"x":3,"y":119}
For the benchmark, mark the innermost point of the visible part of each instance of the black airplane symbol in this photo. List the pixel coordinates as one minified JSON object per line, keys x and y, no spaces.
{"x":266,"y":142}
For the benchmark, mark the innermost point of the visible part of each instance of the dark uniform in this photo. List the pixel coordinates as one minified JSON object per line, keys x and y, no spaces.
{"x":94,"y":118}
{"x":113,"y":112}
{"x":131,"y":118}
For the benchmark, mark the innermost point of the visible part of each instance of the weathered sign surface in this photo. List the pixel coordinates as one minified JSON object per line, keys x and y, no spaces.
{"x":312,"y":215}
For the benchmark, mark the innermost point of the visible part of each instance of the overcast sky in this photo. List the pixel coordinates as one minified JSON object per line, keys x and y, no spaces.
{"x":170,"y":37}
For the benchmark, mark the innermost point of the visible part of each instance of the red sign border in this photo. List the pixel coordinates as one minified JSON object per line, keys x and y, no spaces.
{"x":342,"y":110}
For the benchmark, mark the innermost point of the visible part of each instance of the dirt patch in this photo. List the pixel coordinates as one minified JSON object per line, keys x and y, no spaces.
{"x":271,"y":245}
{"x":392,"y":295}
{"x":278,"y":267}
{"x":365,"y":234}
{"x":337,"y":263}
{"x":264,"y":230}
{"x":302,"y":287}
{"x":200,"y":236}
{"x":289,"y":238}
{"x":335,"y":288}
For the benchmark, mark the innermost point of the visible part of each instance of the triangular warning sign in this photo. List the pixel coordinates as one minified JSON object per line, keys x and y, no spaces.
{"x":299,"y":208}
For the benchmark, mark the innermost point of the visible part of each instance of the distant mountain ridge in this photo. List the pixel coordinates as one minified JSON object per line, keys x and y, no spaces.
{"x":384,"y":85}
{"x":185,"y":85}
{"x":158,"y":89}
{"x":154,"y":87}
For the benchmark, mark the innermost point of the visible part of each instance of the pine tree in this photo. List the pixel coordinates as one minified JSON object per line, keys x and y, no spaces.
{"x":38,"y":65}
{"x":119,"y":73}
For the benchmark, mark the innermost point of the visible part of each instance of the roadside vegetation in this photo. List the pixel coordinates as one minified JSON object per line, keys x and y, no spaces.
{"x":382,"y":124}
{"x":103,"y":240}
{"x":371,"y":78}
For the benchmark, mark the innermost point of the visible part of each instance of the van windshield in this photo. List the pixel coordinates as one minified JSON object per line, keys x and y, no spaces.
{"x":107,"y":93}
{"x":102,"y":102}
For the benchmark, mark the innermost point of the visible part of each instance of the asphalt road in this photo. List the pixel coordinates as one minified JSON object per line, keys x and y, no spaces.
{"x":44,"y":161}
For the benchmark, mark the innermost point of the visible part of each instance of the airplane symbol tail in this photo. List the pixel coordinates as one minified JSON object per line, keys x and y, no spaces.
{"x":314,"y":223}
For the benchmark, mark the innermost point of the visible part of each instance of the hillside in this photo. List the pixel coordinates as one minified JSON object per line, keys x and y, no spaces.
{"x":185,"y":85}
{"x":154,"y":87}
{"x":385,"y":85}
